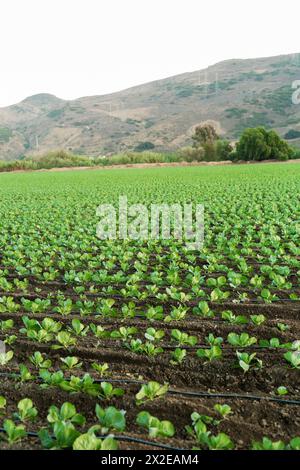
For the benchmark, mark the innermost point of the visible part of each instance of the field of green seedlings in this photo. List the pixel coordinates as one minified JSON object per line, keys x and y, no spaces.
{"x":146,"y":345}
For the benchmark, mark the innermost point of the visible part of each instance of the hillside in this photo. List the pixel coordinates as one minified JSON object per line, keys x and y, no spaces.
{"x":235,"y":94}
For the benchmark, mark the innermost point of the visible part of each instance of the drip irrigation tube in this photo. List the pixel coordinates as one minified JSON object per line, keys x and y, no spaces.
{"x":171,"y":347}
{"x":172,"y":391}
{"x":152,"y":299}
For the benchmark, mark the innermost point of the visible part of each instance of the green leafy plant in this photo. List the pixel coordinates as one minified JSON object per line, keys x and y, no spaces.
{"x":212,"y":354}
{"x":267,"y":444}
{"x":110,"y":419}
{"x":223,"y":410}
{"x":13,"y":432}
{"x":247,"y":361}
{"x":89,"y":441}
{"x":178,"y":356}
{"x":243,"y":340}
{"x":293,"y":358}
{"x":151,"y":391}
{"x":155,"y":427}
{"x":71,"y":362}
{"x":182,"y":338}
{"x":26,"y":411}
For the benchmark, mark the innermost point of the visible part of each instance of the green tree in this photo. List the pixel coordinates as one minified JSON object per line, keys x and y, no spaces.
{"x":259,"y":144}
{"x":224,"y":150}
{"x":204,"y":135}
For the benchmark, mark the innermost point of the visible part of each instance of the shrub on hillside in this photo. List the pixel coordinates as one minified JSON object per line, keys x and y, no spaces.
{"x":292,"y":134}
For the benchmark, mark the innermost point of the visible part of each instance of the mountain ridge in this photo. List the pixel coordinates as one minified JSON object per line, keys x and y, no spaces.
{"x":233,"y":94}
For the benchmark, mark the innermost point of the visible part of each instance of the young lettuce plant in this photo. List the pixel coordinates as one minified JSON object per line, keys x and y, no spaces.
{"x":6,"y":357}
{"x":89,"y":441}
{"x":51,"y":379}
{"x":234,"y":319}
{"x":293,"y":358}
{"x":267,"y":296}
{"x":81,"y":385}
{"x":257,"y":319}
{"x":99,"y":331}
{"x":67,"y":414}
{"x":154,"y":335}
{"x":176,"y":314}
{"x":110,"y":419}
{"x":107,"y":391}
{"x":219,"y":442}
{"x":2,"y":404}
{"x":150,"y":350}
{"x":10,"y":339}
{"x":294,"y":444}
{"x":282,"y":327}
{"x":155,"y":427}
{"x":101,"y":369}
{"x":274,"y":343}
{"x":13,"y":433}
{"x":135,"y":345}
{"x":199,"y":432}
{"x":182,"y":338}
{"x":71,"y":362}
{"x":281,"y":391}
{"x":243,"y":340}
{"x":129,"y":310}
{"x":247,"y":361}
{"x":6,"y":325}
{"x":223,"y":410}
{"x":151,"y":391}
{"x":38,"y":360}
{"x":155,"y":313}
{"x":124,"y":333}
{"x":65,"y":307}
{"x":65,"y":340}
{"x":203,"y":310}
{"x":217,"y":295}
{"x":26,"y":411}
{"x":212,"y":341}
{"x":78,"y":328}
{"x":267,"y":444}
{"x":212,"y":354}
{"x":178,"y":356}
{"x":62,"y":436}
{"x":25,"y":374}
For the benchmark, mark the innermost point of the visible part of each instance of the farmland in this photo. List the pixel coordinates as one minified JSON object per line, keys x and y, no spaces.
{"x":150,"y":343}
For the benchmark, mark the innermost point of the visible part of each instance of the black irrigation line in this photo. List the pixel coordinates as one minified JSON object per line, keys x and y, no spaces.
{"x":169,"y":347}
{"x":155,"y":301}
{"x":123,"y":283}
{"x":29,"y":433}
{"x":118,"y":438}
{"x":172,"y":391}
{"x":111,"y":320}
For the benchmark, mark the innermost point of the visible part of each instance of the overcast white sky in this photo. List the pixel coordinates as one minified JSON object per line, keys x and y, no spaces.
{"x":74,"y":48}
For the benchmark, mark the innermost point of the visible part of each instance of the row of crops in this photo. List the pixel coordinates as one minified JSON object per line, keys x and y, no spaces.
{"x":145,"y":344}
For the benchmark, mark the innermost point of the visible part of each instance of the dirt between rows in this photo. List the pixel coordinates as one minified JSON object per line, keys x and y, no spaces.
{"x":249,"y":421}
{"x":194,"y":373}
